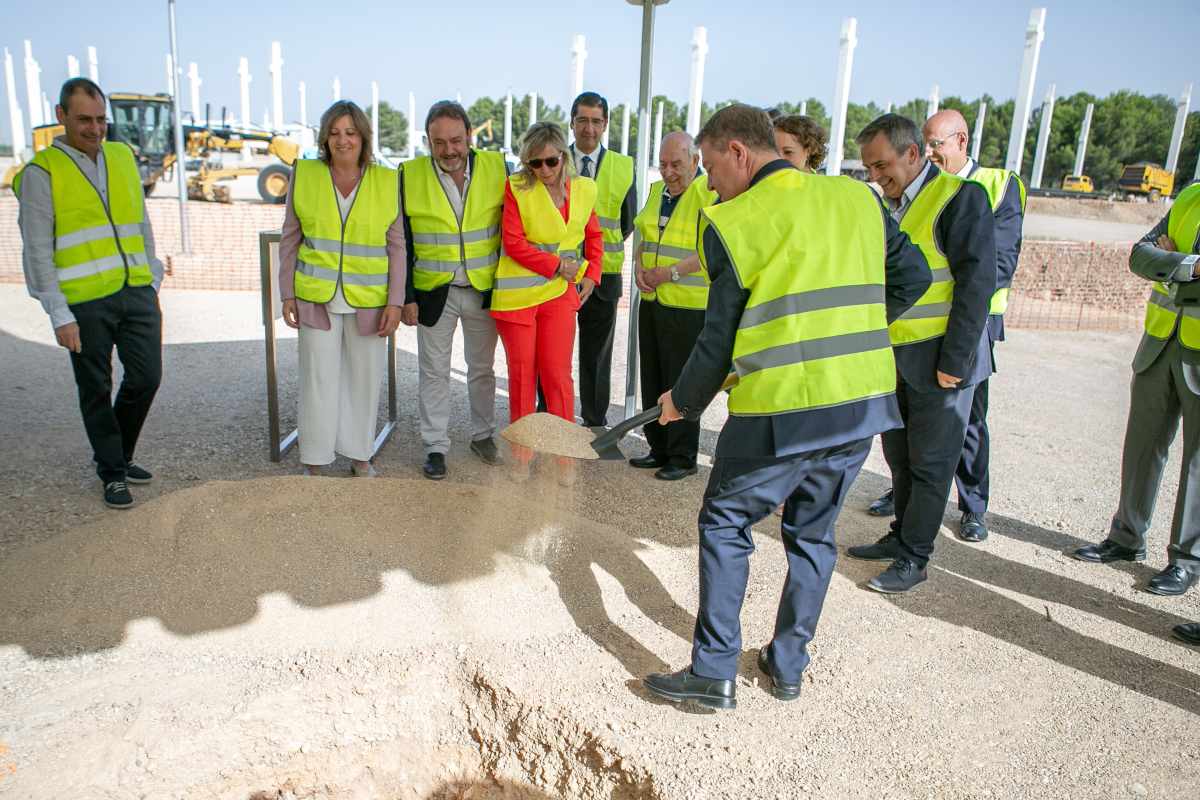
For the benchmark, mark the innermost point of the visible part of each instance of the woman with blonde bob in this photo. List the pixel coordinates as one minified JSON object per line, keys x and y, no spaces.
{"x":342,"y":265}
{"x":801,"y":141}
{"x":551,"y":262}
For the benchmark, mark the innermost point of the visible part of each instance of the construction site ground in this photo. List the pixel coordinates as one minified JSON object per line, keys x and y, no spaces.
{"x":244,"y":632}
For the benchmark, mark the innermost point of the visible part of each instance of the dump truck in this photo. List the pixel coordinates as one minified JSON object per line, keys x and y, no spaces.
{"x":1144,"y":179}
{"x":1078,"y":183}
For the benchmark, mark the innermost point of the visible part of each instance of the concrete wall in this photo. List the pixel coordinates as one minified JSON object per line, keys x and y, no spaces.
{"x":1060,"y":285}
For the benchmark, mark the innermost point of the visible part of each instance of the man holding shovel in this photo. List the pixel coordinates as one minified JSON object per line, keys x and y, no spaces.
{"x":807,"y":271}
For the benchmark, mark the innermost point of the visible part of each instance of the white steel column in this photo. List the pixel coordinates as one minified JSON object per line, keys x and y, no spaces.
{"x":337,"y":89}
{"x":532,"y":109}
{"x":170,"y":74}
{"x":303,"y":104}
{"x":185,"y":237}
{"x":1039,"y":155}
{"x":277,"y":84}
{"x":47,"y":109}
{"x":93,"y":66}
{"x":1035,"y":33}
{"x":977,"y":138}
{"x":194,"y":85}
{"x":625,"y":131}
{"x":1084,"y":130}
{"x":244,"y":82}
{"x":16,"y":119}
{"x":841,"y":96}
{"x":33,"y":87}
{"x":658,"y":123}
{"x":935,"y":99}
{"x":804,"y":108}
{"x":508,"y":122}
{"x":412,"y":125}
{"x":1185,"y":103}
{"x":375,"y":115}
{"x":72,"y":67}
{"x":696,"y":85}
{"x":579,"y":56}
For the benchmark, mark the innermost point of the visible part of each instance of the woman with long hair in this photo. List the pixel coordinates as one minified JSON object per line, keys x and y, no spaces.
{"x":801,"y":141}
{"x":342,"y":266}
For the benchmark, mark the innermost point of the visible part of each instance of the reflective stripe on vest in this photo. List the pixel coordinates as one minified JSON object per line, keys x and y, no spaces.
{"x":614,"y":176}
{"x":1183,"y":226}
{"x":814,"y":331}
{"x":441,"y":244}
{"x":679,"y":240}
{"x":97,"y":250}
{"x":930,"y":316}
{"x":995,"y":182}
{"x":517,"y":287}
{"x":354,"y":250}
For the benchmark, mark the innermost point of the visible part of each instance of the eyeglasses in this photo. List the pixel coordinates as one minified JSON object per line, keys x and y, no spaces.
{"x":536,"y":163}
{"x":591,"y":122}
{"x":937,"y":144}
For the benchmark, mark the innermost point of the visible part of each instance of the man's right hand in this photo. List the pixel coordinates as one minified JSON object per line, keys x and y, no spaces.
{"x":639,"y":277}
{"x":68,"y":337}
{"x":291,"y":313}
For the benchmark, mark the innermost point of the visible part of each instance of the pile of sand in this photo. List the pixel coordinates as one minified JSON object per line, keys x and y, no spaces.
{"x":547,"y":433}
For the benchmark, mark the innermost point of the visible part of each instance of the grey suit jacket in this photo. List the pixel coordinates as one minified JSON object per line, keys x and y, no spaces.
{"x":1148,"y":261}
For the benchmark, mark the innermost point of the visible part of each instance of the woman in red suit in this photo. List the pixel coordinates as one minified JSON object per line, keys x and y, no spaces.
{"x":551,"y":262}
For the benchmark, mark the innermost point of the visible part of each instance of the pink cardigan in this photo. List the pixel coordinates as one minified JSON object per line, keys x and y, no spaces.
{"x":314,"y":315}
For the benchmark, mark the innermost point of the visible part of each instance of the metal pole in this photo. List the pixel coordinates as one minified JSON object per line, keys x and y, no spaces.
{"x":841,"y":96}
{"x":33,"y":87}
{"x":643,"y":167}
{"x":1035,"y":33}
{"x":935,"y":97}
{"x":625,"y":130}
{"x":194,"y":82}
{"x":185,"y":238}
{"x":1084,"y":130}
{"x":93,"y":66}
{"x":375,"y":115}
{"x":15,"y":118}
{"x":658,"y":126}
{"x":72,"y":67}
{"x":1039,"y":155}
{"x":804,"y":108}
{"x":277,"y":85}
{"x":1185,"y":102}
{"x":696,"y":87}
{"x":244,"y":82}
{"x":303,"y":105}
{"x":579,"y":56}
{"x":977,"y":139}
{"x":508,"y":122}
{"x":412,"y":125}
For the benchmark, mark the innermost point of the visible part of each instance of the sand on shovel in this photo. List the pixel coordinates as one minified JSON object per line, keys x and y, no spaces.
{"x":547,"y":433}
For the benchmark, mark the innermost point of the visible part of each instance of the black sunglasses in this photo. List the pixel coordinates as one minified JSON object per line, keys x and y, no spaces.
{"x":536,"y":163}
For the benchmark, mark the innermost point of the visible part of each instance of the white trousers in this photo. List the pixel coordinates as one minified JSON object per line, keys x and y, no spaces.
{"x":435,"y":346}
{"x":341,"y":373}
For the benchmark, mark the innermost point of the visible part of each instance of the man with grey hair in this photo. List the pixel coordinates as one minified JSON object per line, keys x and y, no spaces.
{"x":942,"y":351}
{"x":806,"y":272}
{"x":674,"y":294}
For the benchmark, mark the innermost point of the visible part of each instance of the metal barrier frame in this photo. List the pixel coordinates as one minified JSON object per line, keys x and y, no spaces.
{"x":276,"y":446}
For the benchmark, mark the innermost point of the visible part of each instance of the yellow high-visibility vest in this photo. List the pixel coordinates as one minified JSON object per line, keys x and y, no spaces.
{"x":995,"y":182}
{"x":613,"y":180}
{"x":97,"y":250}
{"x":517,"y":287}
{"x":930,"y":316}
{"x":1183,"y":226}
{"x":440,"y":243}
{"x":354,"y":251}
{"x":810,"y":250}
{"x":675,"y":242}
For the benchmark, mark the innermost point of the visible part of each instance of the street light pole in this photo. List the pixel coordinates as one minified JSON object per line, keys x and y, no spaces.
{"x":185,"y":238}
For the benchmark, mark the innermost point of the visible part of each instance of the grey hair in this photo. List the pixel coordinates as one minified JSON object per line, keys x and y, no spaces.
{"x":693,"y":149}
{"x":901,"y":132}
{"x":539,"y":136}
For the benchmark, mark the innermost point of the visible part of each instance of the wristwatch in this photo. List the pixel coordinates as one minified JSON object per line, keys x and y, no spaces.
{"x":674,"y":273}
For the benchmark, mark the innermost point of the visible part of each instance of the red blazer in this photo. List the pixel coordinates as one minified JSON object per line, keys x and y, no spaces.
{"x":517,"y":247}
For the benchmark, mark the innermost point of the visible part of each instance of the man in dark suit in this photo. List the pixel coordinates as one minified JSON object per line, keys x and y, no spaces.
{"x":616,"y":208}
{"x":806,"y":272}
{"x":942,"y":350}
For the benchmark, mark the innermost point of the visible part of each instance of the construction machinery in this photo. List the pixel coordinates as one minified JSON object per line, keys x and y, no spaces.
{"x":1145,"y":180}
{"x":145,"y":122}
{"x":1080,"y":184}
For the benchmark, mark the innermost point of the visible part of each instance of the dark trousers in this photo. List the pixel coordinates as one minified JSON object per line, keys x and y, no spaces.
{"x":923,"y":456}
{"x":740,"y":493}
{"x":971,"y":477}
{"x":666,"y":337}
{"x":131,"y":321}
{"x":597,"y":322}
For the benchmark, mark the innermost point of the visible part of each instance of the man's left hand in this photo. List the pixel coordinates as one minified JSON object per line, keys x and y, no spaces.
{"x":389,"y":320}
{"x":669,"y":412}
{"x":947,"y":381}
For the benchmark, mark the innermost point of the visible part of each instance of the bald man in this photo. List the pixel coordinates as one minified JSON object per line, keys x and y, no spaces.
{"x":946,"y":145}
{"x":674,"y":295}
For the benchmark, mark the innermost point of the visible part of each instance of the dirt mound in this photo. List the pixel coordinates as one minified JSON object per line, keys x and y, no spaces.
{"x":546,"y":433}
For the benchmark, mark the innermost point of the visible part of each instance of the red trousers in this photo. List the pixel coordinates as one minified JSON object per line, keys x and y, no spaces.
{"x":538,"y":343}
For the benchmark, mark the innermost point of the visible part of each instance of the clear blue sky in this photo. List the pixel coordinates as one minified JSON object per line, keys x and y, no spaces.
{"x":760,"y":52}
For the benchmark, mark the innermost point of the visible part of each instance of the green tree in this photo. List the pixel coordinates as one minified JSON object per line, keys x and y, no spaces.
{"x":393,"y":127}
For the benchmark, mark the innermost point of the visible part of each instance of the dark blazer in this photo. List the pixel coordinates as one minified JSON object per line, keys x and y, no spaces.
{"x":430,"y":304}
{"x":965,"y":232}
{"x":1148,"y":261}
{"x":906,"y":279}
{"x":610,"y":287}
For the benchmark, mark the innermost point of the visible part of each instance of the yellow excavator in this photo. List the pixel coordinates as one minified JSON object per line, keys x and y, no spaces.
{"x":145,"y":122}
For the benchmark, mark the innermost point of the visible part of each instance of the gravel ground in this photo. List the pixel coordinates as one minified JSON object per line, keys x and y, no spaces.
{"x":1075,"y":229}
{"x":244,"y":632}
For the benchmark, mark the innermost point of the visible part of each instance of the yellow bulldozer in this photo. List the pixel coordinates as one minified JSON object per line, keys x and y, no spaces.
{"x":145,"y":122}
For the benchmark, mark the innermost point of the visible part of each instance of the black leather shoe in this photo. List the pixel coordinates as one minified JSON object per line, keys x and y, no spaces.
{"x":1188,"y":632}
{"x":1108,"y":551}
{"x":487,"y":451}
{"x":1173,"y":580}
{"x":683,"y":685}
{"x":647,"y":462}
{"x":116,"y":495}
{"x":901,"y":576}
{"x":673,"y":472}
{"x":884,"y":506}
{"x":971,"y":527}
{"x":135,"y":474}
{"x":435,"y":466}
{"x":779,"y":689}
{"x":886,"y":549}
